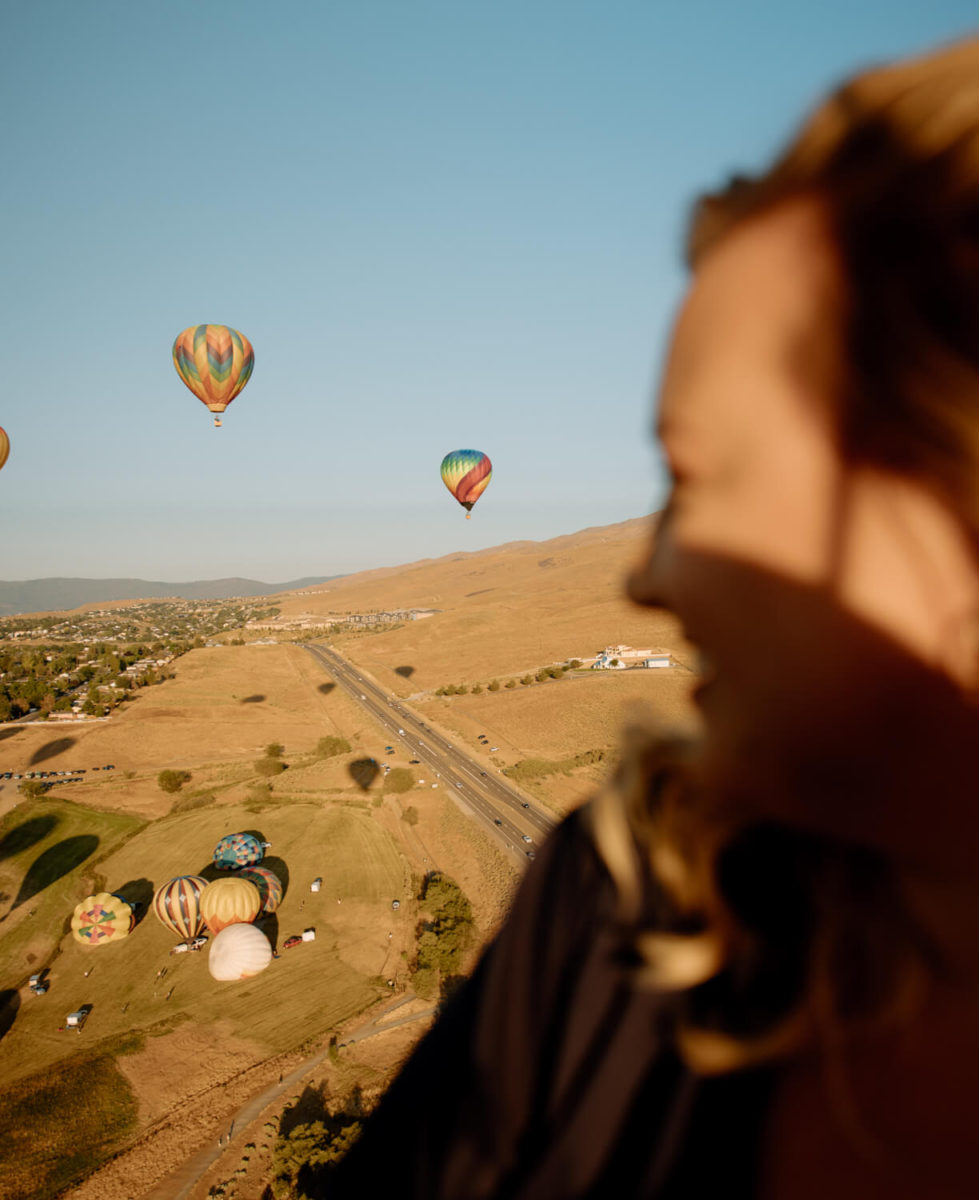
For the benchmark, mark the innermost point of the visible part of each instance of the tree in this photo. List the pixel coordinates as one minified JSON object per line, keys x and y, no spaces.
{"x":494,"y":686}
{"x":274,"y":750}
{"x":400,"y":779}
{"x":527,"y":680}
{"x":330,"y":746}
{"x":267,"y":767}
{"x":477,"y":689}
{"x":510,"y":683}
{"x":32,"y":788}
{"x":410,"y":815}
{"x":172,"y":781}
{"x":575,"y":664}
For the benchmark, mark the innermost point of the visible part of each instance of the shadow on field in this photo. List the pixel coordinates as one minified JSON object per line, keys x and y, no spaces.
{"x":256,"y":699}
{"x":9,"y":1004}
{"x":326,"y":688}
{"x":269,"y":925}
{"x":363,"y":771}
{"x":9,"y":733}
{"x":404,"y":672}
{"x":26,"y":835}
{"x":336,"y":1133}
{"x":55,"y":863}
{"x":138,"y":894}
{"x":51,"y":749}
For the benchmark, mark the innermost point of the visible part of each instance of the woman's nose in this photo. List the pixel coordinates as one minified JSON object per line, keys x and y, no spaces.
{"x":648,"y":582}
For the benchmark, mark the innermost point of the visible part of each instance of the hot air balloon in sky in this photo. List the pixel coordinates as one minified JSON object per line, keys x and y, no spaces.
{"x":269,"y":886}
{"x":101,"y":919}
{"x":4,"y":446}
{"x":237,"y":850}
{"x":232,"y":901}
{"x":215,"y":362}
{"x":466,"y":474}
{"x":238,"y":952}
{"x":177,"y":905}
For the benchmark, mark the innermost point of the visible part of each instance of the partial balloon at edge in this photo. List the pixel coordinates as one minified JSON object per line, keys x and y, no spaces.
{"x":466,"y":473}
{"x":4,"y":446}
{"x":215,"y":362}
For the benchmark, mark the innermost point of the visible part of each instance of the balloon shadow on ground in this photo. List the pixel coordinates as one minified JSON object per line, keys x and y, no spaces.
{"x":26,"y":835}
{"x":54,"y":863}
{"x":9,"y":1006}
{"x":51,"y":749}
{"x":326,"y":688}
{"x":138,"y":894}
{"x":256,"y":699}
{"x":363,"y":771}
{"x":268,"y":923}
{"x":9,"y":733}
{"x":278,"y":868}
{"x":404,"y":672}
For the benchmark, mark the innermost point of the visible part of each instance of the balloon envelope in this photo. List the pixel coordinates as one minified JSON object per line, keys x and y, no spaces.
{"x":4,"y":446}
{"x":215,"y":362}
{"x":227,"y":902}
{"x":100,"y":919}
{"x":237,"y":850}
{"x":466,"y":473}
{"x":269,"y":886}
{"x":239,"y":952}
{"x":177,"y":905}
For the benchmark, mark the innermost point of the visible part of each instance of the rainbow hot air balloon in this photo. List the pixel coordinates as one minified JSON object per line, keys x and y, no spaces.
{"x":238,"y":952}
{"x":101,"y":919}
{"x":466,"y":473}
{"x":215,"y":362}
{"x":4,"y":446}
{"x":232,"y":901}
{"x":237,"y":850}
{"x":269,"y":886}
{"x":177,"y":905}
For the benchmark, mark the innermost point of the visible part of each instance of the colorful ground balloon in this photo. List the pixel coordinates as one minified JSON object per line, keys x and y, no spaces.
{"x":4,"y":446}
{"x":177,"y":905}
{"x":100,"y":919}
{"x":215,"y":362}
{"x":227,"y":902}
{"x":237,"y":850}
{"x":269,"y":886}
{"x":466,"y":473}
{"x":238,"y":952}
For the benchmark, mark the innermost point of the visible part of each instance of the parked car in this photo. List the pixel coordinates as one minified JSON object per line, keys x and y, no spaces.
{"x":295,"y":940}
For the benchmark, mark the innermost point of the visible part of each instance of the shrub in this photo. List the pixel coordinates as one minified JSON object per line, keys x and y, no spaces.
{"x":477,"y":689}
{"x":330,"y":746}
{"x":188,"y":803}
{"x":274,"y":750}
{"x":510,"y":683}
{"x":494,"y":686}
{"x":172,"y":781}
{"x":574,"y":664}
{"x":527,"y":680}
{"x":410,"y":815}
{"x":267,"y":767}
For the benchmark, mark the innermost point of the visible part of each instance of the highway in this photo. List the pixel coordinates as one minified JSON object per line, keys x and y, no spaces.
{"x":511,"y":817}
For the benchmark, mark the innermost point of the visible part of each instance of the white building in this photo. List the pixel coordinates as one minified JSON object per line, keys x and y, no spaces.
{"x":658,"y":661}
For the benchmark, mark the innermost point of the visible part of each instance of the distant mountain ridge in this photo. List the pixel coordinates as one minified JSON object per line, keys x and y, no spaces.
{"x":60,"y":594}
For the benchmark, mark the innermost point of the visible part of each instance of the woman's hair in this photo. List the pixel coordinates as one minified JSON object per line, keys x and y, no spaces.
{"x":773,"y":938}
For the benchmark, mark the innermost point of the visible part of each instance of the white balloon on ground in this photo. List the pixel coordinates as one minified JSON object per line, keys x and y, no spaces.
{"x":239,"y":952}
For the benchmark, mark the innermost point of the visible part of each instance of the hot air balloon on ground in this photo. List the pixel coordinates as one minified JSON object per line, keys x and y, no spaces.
{"x":177,"y":905}
{"x":232,"y":901}
{"x":269,"y":886}
{"x":215,"y":362}
{"x":100,"y":919}
{"x":466,"y":473}
{"x":239,"y":952}
{"x":236,"y":850}
{"x":4,"y":446}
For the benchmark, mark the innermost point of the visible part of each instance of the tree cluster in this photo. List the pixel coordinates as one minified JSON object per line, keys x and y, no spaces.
{"x":444,"y":934}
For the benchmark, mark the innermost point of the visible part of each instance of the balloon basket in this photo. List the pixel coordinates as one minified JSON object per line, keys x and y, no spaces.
{"x":217,"y":422}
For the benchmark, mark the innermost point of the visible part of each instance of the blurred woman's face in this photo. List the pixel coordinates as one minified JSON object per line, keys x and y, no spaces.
{"x":773,"y":551}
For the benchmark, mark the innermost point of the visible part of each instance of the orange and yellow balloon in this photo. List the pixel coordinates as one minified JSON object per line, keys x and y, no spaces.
{"x":232,"y":901}
{"x":4,"y":446}
{"x":466,"y":473}
{"x":215,"y":362}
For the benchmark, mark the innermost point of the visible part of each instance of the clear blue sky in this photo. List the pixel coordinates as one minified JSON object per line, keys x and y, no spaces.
{"x":441,"y":224}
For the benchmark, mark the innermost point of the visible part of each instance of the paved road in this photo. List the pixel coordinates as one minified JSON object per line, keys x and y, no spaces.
{"x":509,"y":815}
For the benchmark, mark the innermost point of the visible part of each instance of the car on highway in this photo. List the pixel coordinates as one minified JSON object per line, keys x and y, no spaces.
{"x":531,"y":854}
{"x":497,"y":821}
{"x":362,"y":696}
{"x":525,"y":838}
{"x":494,"y":748}
{"x":525,"y":805}
{"x":482,"y":772}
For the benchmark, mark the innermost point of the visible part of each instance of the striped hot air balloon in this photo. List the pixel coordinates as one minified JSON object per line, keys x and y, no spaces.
{"x":466,"y":473}
{"x":177,"y":905}
{"x":101,"y":919}
{"x":4,"y":446}
{"x":269,"y":886}
{"x":238,"y":952}
{"x":237,"y":850}
{"x":215,"y":362}
{"x":232,"y":901}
